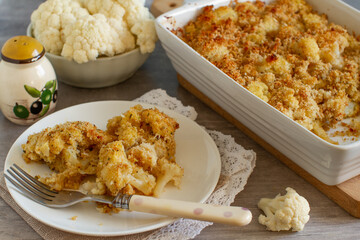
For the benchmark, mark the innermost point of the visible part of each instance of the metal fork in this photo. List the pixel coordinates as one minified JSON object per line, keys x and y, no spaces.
{"x":42,"y":194}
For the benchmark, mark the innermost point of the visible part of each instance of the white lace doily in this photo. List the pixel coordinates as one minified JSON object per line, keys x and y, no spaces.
{"x":237,"y":164}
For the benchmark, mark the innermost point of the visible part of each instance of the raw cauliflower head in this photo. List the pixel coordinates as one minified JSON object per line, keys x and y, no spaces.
{"x":82,"y":30}
{"x":290,"y":211}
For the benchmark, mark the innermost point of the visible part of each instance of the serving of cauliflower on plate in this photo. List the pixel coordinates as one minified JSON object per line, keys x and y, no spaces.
{"x":83,"y":30}
{"x":290,"y":211}
{"x":135,"y":155}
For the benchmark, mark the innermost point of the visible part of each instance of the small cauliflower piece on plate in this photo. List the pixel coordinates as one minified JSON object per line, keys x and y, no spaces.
{"x":290,"y":211}
{"x":166,"y":172}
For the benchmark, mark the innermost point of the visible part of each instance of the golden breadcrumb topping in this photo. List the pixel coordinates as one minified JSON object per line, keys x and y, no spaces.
{"x":70,"y":149}
{"x":151,"y":125}
{"x":286,"y":54}
{"x":135,"y":155}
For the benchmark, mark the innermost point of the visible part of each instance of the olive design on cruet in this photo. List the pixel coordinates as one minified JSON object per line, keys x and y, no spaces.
{"x":28,"y":84}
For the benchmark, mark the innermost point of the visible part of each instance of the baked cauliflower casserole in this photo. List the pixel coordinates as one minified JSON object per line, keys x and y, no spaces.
{"x":287,"y":55}
{"x":134,"y":155}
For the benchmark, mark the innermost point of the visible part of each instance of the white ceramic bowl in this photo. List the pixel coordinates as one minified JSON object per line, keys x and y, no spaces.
{"x":103,"y":72}
{"x":329,"y":163}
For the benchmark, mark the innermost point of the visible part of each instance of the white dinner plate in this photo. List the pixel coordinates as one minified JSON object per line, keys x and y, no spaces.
{"x":196,"y":152}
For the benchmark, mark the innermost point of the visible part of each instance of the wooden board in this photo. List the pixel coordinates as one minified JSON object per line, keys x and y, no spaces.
{"x":158,"y":7}
{"x":346,"y":194}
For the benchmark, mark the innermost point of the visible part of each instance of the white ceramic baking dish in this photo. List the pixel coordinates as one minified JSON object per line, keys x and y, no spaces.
{"x":329,"y":163}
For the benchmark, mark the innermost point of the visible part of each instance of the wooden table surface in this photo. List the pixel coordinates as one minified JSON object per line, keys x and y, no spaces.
{"x":270,"y":177}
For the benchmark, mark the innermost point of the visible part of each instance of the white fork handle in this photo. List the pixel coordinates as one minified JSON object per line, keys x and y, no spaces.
{"x":214,"y":213}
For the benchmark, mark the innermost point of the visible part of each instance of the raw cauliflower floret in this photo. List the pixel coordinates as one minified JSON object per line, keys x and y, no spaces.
{"x":114,"y":14}
{"x":109,"y":8}
{"x":49,"y":20}
{"x":140,"y":23}
{"x":93,"y":36}
{"x":290,"y":211}
{"x":146,"y":35}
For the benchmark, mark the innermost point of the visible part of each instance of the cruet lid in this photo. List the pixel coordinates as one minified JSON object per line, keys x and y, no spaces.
{"x":22,"y":49}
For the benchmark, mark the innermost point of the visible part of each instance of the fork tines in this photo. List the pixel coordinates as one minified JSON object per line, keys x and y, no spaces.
{"x":29,"y":186}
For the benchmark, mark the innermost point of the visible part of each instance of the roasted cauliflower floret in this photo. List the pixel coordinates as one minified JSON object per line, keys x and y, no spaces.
{"x":71,"y":149}
{"x":113,"y":168}
{"x":70,"y":178}
{"x":116,"y":171}
{"x":142,"y":181}
{"x":127,"y":127}
{"x":260,"y":89}
{"x":290,"y":211}
{"x":160,"y":131}
{"x":167,"y":172}
{"x":309,"y":49}
{"x":140,"y":125}
{"x":270,"y":24}
{"x":143,"y":155}
{"x":224,"y":13}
